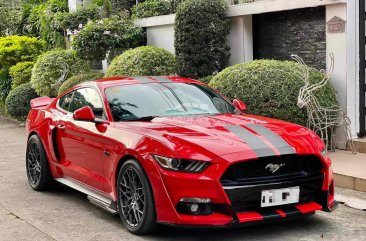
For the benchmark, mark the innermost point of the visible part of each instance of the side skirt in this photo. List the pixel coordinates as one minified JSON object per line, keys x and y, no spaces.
{"x":93,"y":196}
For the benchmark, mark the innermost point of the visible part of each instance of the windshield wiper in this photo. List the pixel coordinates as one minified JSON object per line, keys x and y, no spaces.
{"x":144,"y":118}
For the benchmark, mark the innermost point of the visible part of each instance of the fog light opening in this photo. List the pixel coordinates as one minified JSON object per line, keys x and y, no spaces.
{"x":194,"y":206}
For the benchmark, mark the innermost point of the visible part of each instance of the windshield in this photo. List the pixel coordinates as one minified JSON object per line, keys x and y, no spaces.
{"x":133,"y":102}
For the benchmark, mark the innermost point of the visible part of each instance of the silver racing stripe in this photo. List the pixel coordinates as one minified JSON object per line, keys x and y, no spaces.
{"x":253,"y":141}
{"x":144,"y":80}
{"x":277,"y":141}
{"x":161,"y":79}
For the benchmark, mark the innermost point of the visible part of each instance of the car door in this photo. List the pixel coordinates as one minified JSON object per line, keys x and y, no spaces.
{"x":82,"y":143}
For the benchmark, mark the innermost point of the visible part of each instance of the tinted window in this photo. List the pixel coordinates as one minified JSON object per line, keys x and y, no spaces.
{"x":64,"y":102}
{"x":129,"y":102}
{"x":87,"y":97}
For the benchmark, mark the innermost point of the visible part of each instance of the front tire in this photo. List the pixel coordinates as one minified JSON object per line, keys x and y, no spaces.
{"x":38,"y":171}
{"x":136,"y":204}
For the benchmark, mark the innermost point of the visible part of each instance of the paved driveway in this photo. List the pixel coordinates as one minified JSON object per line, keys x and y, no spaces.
{"x":64,"y":214}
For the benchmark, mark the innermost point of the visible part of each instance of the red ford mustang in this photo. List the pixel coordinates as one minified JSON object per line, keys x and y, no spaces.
{"x":171,"y":150}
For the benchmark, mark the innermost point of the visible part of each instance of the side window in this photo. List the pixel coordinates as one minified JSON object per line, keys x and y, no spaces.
{"x":64,"y":102}
{"x":87,"y":97}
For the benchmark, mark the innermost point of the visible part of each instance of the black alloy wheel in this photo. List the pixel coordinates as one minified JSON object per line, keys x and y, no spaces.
{"x":135,"y":199}
{"x":38,"y":171}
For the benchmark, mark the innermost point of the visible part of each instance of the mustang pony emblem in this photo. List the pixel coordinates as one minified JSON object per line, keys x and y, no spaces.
{"x":274,"y":167}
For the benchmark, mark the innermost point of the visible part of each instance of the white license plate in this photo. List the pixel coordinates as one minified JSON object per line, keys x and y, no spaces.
{"x":278,"y":197}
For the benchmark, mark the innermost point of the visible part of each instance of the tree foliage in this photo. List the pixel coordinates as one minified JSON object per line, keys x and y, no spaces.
{"x":106,"y":35}
{"x":75,"y":20}
{"x":38,"y":19}
{"x":201,"y":28}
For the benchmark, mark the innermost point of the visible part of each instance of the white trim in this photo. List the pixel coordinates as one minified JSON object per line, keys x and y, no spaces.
{"x":353,"y":66}
{"x":263,"y":6}
{"x":155,"y":21}
{"x":266,"y":6}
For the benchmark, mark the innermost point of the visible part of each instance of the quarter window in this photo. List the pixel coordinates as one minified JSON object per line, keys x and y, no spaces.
{"x":64,"y":102}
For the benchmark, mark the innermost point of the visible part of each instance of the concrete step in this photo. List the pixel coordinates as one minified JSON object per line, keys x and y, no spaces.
{"x":360,"y":145}
{"x":349,"y":169}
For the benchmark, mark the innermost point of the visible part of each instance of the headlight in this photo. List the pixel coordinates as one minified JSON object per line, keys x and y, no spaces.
{"x":181,"y":165}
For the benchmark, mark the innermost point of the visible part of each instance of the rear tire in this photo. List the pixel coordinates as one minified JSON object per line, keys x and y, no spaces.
{"x":136,"y":204}
{"x":38,"y":170}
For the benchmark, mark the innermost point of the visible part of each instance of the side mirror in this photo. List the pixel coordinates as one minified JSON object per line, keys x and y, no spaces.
{"x":84,"y":114}
{"x":239,"y":105}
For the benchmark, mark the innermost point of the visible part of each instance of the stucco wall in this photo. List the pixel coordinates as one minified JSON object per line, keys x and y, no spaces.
{"x":161,"y":36}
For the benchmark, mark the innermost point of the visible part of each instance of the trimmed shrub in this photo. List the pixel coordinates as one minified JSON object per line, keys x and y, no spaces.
{"x":97,"y":38}
{"x":17,"y":103}
{"x":207,"y":79}
{"x":14,"y":49}
{"x":20,"y":73}
{"x":53,"y":68}
{"x":201,"y":28}
{"x":175,"y":4}
{"x":151,"y":8}
{"x":77,"y":79}
{"x":5,"y":85}
{"x":143,"y":61}
{"x":270,"y":88}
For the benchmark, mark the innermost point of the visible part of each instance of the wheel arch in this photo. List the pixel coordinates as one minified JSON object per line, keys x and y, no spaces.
{"x":31,"y":134}
{"x":122,"y":160}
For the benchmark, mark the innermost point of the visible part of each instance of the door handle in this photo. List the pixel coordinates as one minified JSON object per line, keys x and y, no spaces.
{"x":61,"y":127}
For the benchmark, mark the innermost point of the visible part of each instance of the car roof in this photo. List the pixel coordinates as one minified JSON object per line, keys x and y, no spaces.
{"x":113,"y":81}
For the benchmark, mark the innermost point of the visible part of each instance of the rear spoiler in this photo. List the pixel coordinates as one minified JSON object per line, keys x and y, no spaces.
{"x":41,"y":102}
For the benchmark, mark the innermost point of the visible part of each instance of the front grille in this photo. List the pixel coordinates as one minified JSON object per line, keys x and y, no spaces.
{"x":248,"y":198}
{"x":258,"y":171}
{"x":244,"y":182}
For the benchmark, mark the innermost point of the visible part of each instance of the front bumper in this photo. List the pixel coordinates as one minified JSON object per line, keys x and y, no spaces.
{"x":225,"y":212}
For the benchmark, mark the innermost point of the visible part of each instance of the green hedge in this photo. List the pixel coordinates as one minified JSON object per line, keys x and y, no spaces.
{"x":207,"y":79}
{"x":77,"y":79}
{"x":97,"y":38}
{"x":54,"y":67}
{"x":17,"y":103}
{"x":143,"y":61}
{"x":151,"y":8}
{"x":14,"y":49}
{"x":5,"y":85}
{"x":21,"y":73}
{"x":175,"y":4}
{"x":270,"y":88}
{"x":201,"y":28}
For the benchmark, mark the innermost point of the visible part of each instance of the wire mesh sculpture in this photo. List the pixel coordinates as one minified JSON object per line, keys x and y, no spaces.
{"x":323,"y":120}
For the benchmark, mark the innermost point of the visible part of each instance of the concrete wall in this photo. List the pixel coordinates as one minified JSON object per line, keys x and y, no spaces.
{"x":161,"y":36}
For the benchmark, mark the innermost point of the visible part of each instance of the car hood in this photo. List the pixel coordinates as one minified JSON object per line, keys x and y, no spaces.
{"x":204,"y":137}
